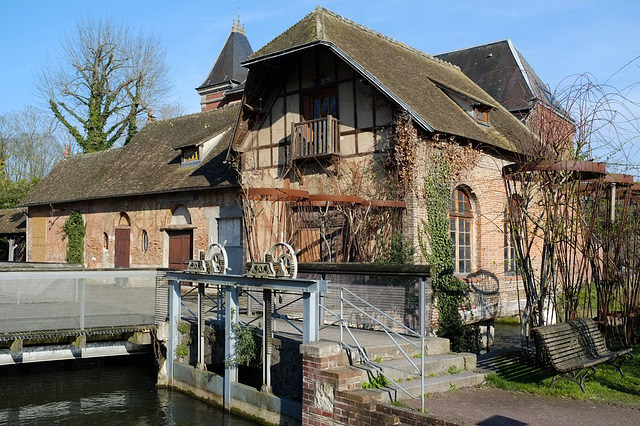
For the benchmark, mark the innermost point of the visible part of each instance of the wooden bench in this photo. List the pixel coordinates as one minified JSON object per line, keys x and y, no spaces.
{"x":574,"y":348}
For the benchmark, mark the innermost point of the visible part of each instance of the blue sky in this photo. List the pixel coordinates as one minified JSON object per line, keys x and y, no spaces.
{"x":559,"y":38}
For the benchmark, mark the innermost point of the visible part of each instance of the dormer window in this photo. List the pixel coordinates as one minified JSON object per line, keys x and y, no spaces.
{"x":476,"y":110}
{"x":193,"y":152}
{"x":480,"y":113}
{"x":190,"y":154}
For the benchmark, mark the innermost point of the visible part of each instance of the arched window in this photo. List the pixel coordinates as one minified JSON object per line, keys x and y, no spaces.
{"x":460,"y":228}
{"x":105,"y":241}
{"x":509,"y":248}
{"x":145,"y":241}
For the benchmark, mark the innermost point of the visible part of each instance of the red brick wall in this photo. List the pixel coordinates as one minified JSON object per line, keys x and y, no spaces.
{"x":151,"y":214}
{"x":332,"y":394}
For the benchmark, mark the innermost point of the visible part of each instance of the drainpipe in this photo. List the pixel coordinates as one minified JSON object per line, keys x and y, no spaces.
{"x":613,"y":202}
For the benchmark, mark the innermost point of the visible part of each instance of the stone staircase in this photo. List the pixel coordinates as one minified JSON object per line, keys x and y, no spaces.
{"x":443,"y":369}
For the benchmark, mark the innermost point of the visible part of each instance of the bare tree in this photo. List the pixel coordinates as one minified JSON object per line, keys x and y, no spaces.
{"x":29,"y":145}
{"x":105,"y":77}
{"x":29,"y":148}
{"x":575,"y":235}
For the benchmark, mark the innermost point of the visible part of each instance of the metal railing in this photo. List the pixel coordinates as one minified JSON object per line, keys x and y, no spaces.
{"x":52,"y":301}
{"x":390,"y":327}
{"x":315,"y":138}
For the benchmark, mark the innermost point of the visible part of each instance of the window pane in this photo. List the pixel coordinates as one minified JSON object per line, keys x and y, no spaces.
{"x":333,"y":106}
{"x":325,"y":107}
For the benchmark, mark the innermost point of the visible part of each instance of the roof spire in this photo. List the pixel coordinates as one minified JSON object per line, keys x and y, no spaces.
{"x":237,"y":26}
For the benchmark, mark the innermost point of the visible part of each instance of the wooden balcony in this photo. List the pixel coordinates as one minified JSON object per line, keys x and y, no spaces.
{"x":319,"y":138}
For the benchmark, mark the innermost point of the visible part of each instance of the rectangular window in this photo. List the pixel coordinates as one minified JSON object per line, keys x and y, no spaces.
{"x":321,"y":104}
{"x":460,"y":226}
{"x":190,"y":154}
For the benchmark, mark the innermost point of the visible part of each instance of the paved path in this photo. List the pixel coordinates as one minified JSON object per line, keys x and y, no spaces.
{"x":490,"y":406}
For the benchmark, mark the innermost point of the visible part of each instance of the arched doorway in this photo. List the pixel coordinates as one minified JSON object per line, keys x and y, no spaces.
{"x":123,"y":242}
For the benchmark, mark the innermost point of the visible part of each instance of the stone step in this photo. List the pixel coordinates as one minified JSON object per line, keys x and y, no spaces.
{"x":438,"y":384}
{"x":434,"y":365}
{"x":444,"y":383}
{"x":385,"y":352}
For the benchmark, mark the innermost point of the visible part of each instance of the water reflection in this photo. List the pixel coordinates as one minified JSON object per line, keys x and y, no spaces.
{"x":106,"y":392}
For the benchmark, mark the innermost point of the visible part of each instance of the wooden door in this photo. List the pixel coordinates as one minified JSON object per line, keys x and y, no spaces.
{"x":180,"y":249}
{"x":123,"y":246}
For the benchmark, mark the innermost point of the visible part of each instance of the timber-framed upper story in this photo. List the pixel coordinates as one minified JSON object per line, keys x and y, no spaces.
{"x":329,"y":87}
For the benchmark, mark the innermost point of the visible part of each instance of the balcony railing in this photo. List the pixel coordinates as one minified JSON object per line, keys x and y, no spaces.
{"x":315,"y":138}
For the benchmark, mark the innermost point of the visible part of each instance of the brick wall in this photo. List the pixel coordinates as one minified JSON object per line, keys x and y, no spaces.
{"x":332,"y":394}
{"x":151,"y":214}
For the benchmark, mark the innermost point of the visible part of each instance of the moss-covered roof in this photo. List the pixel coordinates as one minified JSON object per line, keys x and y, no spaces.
{"x":12,"y":221}
{"x":410,"y":77}
{"x":149,"y":164}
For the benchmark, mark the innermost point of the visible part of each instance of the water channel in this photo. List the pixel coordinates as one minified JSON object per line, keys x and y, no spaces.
{"x":108,"y":391}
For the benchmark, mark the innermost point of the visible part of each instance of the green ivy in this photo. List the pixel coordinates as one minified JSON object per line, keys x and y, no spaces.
{"x":74,"y":230}
{"x":395,"y":252}
{"x":448,"y":290}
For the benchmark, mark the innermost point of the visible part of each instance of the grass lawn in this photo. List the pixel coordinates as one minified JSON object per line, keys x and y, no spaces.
{"x":606,"y":385}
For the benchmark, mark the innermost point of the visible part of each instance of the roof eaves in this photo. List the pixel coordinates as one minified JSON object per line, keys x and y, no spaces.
{"x":125,"y":195}
{"x":384,"y":89}
{"x":281,"y":53}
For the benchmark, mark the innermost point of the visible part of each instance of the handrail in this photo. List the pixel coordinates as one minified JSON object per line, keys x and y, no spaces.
{"x":393,"y":335}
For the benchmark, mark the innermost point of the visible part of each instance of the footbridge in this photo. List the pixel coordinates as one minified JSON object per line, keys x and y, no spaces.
{"x":60,"y":314}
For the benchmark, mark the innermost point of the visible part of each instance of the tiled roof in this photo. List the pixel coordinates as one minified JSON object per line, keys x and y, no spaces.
{"x":501,"y":70}
{"x":227,"y":67}
{"x":149,"y":164}
{"x":412,"y":78}
{"x":12,"y":221}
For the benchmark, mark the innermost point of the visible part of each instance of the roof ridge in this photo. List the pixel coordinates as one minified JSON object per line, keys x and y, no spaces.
{"x":504,"y":40}
{"x":386,"y":37}
{"x":226,"y":106}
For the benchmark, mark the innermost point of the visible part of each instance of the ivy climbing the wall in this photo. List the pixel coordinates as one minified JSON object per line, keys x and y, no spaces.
{"x":448,"y":291}
{"x":74,"y":230}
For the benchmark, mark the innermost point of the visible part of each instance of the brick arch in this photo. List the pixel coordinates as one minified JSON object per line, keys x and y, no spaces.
{"x":123,"y":220}
{"x":180,"y":215}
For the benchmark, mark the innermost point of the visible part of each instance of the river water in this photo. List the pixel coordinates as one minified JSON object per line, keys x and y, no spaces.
{"x":109,"y":391}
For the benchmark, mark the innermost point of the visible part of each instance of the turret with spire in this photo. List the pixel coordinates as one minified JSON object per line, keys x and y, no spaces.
{"x":225,"y":81}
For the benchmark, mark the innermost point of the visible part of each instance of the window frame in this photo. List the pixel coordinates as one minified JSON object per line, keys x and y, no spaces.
{"x":190,"y":154}
{"x":457,"y":218}
{"x":510,"y":257}
{"x":144,"y":243}
{"x":310,"y":97}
